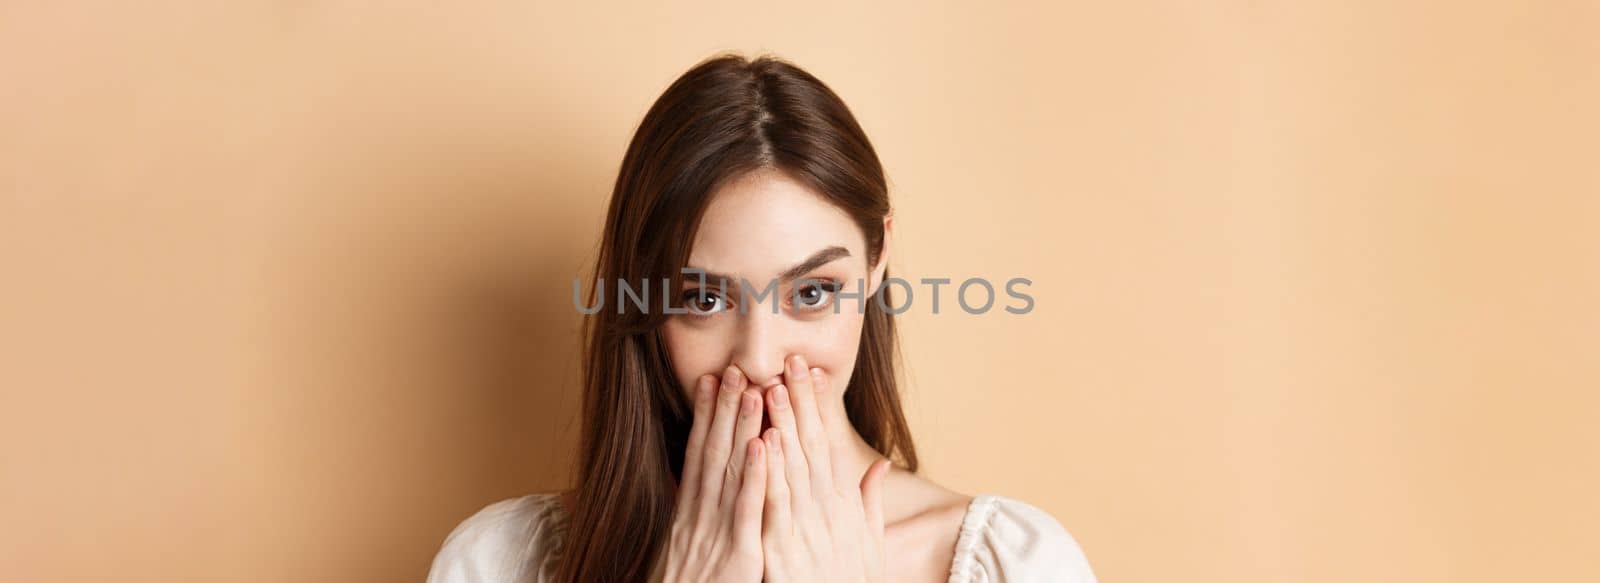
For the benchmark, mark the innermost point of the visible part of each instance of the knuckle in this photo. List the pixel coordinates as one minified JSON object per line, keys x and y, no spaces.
{"x":748,"y":550}
{"x":813,"y":443}
{"x":826,"y":495}
{"x":708,"y":489}
{"x":800,"y":487}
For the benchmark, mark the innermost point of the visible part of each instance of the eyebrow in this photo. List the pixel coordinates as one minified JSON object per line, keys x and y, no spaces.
{"x":820,"y":258}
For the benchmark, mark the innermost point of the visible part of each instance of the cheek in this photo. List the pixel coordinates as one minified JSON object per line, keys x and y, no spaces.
{"x":694,"y":353}
{"x":833,"y":347}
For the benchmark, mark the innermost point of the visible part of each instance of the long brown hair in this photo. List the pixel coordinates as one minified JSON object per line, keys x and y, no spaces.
{"x":723,"y":118}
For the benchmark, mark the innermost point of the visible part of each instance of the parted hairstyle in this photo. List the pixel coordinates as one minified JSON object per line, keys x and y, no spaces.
{"x":725,"y":117}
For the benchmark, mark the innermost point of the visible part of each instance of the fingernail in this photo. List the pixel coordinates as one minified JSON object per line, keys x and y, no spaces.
{"x":752,"y":450}
{"x":772,"y":438}
{"x":797,"y":365}
{"x":780,"y":396}
{"x":732,"y":379}
{"x":748,"y":403}
{"x":816,"y":375}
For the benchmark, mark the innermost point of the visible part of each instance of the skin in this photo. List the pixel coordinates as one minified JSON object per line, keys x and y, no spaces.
{"x":778,"y":484}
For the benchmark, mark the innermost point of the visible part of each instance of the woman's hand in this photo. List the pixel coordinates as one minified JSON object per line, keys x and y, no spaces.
{"x":716,"y":526}
{"x":819,"y":524}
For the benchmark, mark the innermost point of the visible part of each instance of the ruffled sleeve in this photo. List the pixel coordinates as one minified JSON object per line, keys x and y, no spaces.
{"x":512,"y":541}
{"x":1009,"y":540}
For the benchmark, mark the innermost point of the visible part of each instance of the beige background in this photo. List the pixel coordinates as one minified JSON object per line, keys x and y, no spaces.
{"x":287,"y":284}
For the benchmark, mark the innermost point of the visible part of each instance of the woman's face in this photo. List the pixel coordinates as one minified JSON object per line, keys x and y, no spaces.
{"x":765,"y":228}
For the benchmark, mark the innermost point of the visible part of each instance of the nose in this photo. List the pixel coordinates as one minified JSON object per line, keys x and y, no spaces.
{"x":763,"y":343}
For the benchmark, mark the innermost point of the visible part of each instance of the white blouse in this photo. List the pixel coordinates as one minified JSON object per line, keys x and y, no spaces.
{"x":520,"y":541}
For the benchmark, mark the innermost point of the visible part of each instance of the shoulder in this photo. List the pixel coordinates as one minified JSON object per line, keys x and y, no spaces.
{"x":516,"y":540}
{"x":1007,"y":539}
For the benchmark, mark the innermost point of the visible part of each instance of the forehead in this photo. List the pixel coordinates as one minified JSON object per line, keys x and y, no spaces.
{"x":763,"y":222}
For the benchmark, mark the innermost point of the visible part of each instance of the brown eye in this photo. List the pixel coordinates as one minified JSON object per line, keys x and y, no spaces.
{"x":703,"y":304}
{"x":814,"y":296}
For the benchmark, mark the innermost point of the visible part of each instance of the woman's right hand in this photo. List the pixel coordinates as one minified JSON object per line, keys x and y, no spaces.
{"x":716,"y":526}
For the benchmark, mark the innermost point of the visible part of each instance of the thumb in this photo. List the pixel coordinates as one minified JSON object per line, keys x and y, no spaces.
{"x":872,"y":494}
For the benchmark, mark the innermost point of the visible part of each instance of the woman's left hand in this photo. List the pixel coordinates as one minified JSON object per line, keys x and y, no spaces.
{"x":819,"y":523}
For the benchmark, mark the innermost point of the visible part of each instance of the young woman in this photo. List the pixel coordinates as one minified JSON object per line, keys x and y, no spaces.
{"x":743,"y":429}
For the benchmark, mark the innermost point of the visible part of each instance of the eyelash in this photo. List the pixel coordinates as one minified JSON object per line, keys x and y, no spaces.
{"x":828,"y":286}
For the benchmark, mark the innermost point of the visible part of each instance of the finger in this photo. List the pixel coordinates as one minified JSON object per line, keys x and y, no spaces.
{"x":813,"y":438}
{"x":745,"y":428}
{"x":872,"y":495}
{"x":834,"y":424}
{"x":719,"y":439}
{"x":775,"y":516}
{"x":747,"y":509}
{"x":780,"y":410}
{"x":704,"y":396}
